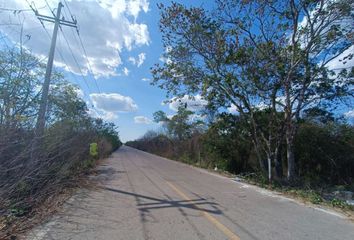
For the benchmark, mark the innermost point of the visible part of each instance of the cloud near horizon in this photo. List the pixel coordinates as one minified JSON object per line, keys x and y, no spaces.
{"x":113,"y":102}
{"x":142,"y":120}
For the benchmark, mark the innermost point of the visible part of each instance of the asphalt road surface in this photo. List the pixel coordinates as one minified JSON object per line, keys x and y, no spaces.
{"x":143,"y":196}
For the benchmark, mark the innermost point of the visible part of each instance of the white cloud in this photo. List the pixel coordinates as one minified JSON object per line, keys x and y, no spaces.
{"x":165,"y":60}
{"x":132,"y":60}
{"x":139,"y":60}
{"x":197,"y":117}
{"x":193,"y":103}
{"x":79,"y":93}
{"x":142,"y":120}
{"x":126,"y":71}
{"x":135,"y":6}
{"x":116,"y":7}
{"x":168,"y":49}
{"x":107,"y":116}
{"x":163,"y":57}
{"x":105,"y":29}
{"x":349,"y":114}
{"x":145,"y":79}
{"x":170,"y":116}
{"x":192,"y":118}
{"x":113,"y":102}
{"x":338,"y":63}
{"x":261,"y":106}
{"x":139,"y":36}
{"x":232,"y":109}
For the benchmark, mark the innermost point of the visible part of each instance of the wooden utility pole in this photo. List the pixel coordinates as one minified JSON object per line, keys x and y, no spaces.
{"x":45,"y":89}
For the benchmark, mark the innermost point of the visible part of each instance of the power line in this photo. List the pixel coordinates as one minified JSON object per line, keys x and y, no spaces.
{"x":15,"y":11}
{"x":83,"y":48}
{"x":49,"y":8}
{"x":75,"y":78}
{"x":65,"y":62}
{"x":63,"y":59}
{"x":4,"y":41}
{"x":61,"y":55}
{"x":65,"y":14}
{"x":67,"y":5}
{"x":67,"y":23}
{"x":45,"y":89}
{"x":85,"y":54}
{"x":72,"y":74}
{"x":75,"y":60}
{"x":89,"y":64}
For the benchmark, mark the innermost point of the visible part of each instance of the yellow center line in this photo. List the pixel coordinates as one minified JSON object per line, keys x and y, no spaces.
{"x":209,"y":217}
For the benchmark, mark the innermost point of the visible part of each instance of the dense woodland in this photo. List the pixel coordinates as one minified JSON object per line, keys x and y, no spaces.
{"x":323,"y":147}
{"x":35,"y":169}
{"x":270,"y":61}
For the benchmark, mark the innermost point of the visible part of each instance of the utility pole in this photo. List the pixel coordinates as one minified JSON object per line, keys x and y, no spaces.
{"x":45,"y":89}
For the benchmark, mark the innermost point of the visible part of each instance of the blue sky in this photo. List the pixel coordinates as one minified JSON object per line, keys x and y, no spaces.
{"x":122,"y":42}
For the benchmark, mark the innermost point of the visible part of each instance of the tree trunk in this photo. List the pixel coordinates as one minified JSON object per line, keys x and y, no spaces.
{"x":259,"y":157}
{"x":278,"y":164}
{"x":269,"y":169}
{"x":290,"y":155}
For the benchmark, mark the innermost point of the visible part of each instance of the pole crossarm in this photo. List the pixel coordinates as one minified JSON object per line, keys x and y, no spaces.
{"x":61,"y":21}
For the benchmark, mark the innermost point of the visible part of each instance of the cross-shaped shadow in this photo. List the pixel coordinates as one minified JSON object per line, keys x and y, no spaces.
{"x":157,"y":203}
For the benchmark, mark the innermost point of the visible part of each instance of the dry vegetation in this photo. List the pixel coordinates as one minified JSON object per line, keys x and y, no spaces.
{"x":35,"y":170}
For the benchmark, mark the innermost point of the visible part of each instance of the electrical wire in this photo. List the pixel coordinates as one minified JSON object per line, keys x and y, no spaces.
{"x":75,"y":60}
{"x":83,"y":48}
{"x":88,"y":63}
{"x":60,"y":53}
{"x":67,"y":5}
{"x":69,"y":46}
{"x":72,"y":74}
{"x":46,"y":2}
{"x":18,"y":10}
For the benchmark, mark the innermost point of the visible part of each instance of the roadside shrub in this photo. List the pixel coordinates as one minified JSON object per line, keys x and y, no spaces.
{"x":325,"y":153}
{"x":34,"y":169}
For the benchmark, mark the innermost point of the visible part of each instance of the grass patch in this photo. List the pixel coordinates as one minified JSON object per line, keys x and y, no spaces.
{"x":305,"y":192}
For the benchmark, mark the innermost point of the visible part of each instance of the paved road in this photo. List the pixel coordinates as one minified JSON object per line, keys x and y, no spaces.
{"x":147,"y":197}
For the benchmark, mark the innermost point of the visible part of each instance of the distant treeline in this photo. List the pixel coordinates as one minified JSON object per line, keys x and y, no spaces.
{"x":324,"y":147}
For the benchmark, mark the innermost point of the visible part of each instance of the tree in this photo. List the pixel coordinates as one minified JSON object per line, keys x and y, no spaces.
{"x":256,"y":55}
{"x":180,"y":126}
{"x":64,"y":102}
{"x":323,"y":34}
{"x":20,"y":75}
{"x":206,"y":57}
{"x":227,"y":142}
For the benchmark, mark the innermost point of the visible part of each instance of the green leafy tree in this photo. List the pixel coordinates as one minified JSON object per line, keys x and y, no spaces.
{"x":64,"y":102}
{"x":20,"y":75}
{"x":318,"y":32}
{"x":227,"y":142}
{"x":257,"y":55}
{"x":181,"y":125}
